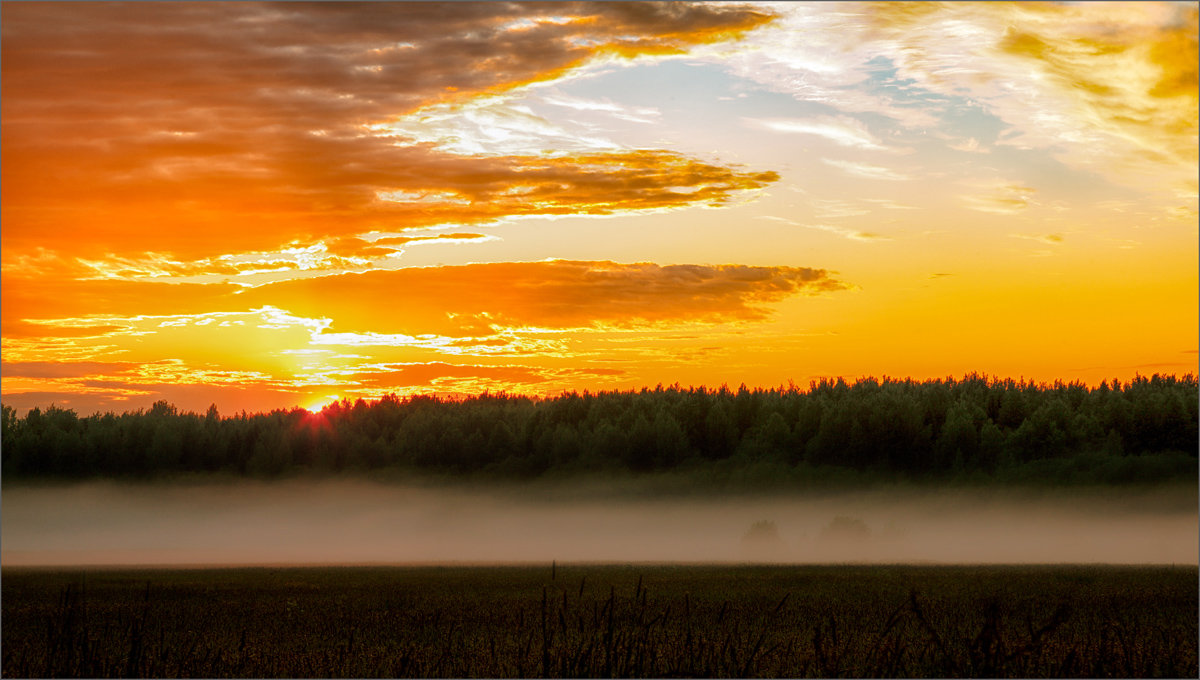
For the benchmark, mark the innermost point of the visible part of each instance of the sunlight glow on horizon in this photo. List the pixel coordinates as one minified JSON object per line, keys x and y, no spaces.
{"x":320,"y":404}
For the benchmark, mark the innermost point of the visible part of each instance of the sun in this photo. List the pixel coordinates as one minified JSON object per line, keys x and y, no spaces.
{"x":317,"y":406}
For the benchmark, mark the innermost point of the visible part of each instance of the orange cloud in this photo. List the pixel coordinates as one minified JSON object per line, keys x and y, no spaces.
{"x":101,"y":344}
{"x":176,"y":127}
{"x":352,"y":246}
{"x":478,"y":299}
{"x":123,"y":392}
{"x":170,"y":155}
{"x":26,"y":301}
{"x":469,"y":300}
{"x":62,"y":369}
{"x":309,"y":189}
{"x":438,"y":374}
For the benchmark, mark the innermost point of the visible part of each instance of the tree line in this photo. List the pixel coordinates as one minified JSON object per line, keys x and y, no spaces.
{"x":980,"y":426}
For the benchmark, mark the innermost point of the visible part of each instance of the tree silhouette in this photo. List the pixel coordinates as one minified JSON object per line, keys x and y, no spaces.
{"x":934,"y":428}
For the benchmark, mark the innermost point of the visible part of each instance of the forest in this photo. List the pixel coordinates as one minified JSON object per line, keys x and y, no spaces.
{"x":973,"y":428}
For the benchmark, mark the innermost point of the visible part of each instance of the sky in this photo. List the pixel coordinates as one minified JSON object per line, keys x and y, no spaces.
{"x":272,"y":205}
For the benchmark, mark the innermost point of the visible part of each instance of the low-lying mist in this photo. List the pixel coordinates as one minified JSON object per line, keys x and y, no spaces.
{"x":356,"y":521}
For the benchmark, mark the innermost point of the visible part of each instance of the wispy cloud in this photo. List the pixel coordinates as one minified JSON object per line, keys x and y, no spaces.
{"x":970,"y":145}
{"x":852,"y":234}
{"x":490,"y":126}
{"x":633,"y":114}
{"x":867,"y":170}
{"x":1001,"y":197}
{"x":1109,"y":88}
{"x":825,"y":53}
{"x":831,"y":208}
{"x":844,"y":232}
{"x":1048,"y":239}
{"x":841,"y":130}
{"x":1118,"y":102}
{"x":324,"y":258}
{"x":889,"y":204}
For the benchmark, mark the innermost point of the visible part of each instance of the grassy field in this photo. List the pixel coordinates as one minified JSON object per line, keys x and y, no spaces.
{"x":603,"y":621}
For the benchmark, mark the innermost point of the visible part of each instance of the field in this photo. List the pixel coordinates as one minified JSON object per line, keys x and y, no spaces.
{"x":603,"y":621}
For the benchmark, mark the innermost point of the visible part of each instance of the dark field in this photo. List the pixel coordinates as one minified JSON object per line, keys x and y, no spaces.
{"x":588,"y":620}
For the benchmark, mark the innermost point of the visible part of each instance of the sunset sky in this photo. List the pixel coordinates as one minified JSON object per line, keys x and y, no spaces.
{"x":271,"y":205}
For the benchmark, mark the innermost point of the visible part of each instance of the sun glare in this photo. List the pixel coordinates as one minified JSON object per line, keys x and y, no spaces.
{"x":318,"y":406}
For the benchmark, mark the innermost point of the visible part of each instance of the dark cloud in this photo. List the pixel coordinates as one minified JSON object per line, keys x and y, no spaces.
{"x":313,"y":64}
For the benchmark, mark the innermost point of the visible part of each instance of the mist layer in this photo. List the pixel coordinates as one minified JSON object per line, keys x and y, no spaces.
{"x":355,"y":521}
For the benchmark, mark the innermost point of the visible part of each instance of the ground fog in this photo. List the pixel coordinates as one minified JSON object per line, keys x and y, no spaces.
{"x":356,"y":522}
